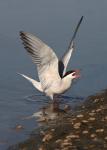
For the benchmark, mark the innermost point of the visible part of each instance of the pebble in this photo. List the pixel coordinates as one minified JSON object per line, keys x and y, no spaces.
{"x":67,"y":108}
{"x":99,"y":130}
{"x":77,"y":125}
{"x":105,"y":118}
{"x":19,"y":127}
{"x":93,"y":111}
{"x":80,"y":116}
{"x":66,"y":140}
{"x":91,"y":119}
{"x":98,"y":110}
{"x":52,"y":130}
{"x":47,"y":137}
{"x":85,"y":132}
{"x":96,"y":100}
{"x":72,"y":136}
{"x":85,"y":121}
{"x":42,"y":132}
{"x":42,"y":148}
{"x":93,"y":135}
{"x":42,"y":119}
{"x":91,"y":114}
{"x":58,"y":141}
{"x":83,"y":107}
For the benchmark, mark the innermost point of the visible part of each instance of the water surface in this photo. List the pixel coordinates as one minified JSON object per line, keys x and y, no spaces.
{"x":53,"y":22}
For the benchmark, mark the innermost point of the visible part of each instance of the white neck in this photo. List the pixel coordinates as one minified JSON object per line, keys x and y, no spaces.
{"x":66,"y":82}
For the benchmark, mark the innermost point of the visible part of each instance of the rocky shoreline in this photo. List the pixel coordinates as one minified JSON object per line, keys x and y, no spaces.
{"x":83,"y":129}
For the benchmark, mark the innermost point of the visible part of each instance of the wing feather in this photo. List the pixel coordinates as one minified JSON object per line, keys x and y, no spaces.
{"x":44,"y":57}
{"x":67,"y":55}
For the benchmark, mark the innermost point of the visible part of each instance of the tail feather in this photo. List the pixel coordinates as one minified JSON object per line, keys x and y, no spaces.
{"x":35,"y":83}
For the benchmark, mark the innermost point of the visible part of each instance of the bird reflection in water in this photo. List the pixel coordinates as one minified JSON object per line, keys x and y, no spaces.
{"x":52,"y":112}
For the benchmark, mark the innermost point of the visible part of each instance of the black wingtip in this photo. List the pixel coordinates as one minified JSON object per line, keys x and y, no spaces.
{"x":75,"y":32}
{"x":81,"y":19}
{"x":22,"y":33}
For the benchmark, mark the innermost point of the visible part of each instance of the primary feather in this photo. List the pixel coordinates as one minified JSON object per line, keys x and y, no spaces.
{"x":44,"y":57}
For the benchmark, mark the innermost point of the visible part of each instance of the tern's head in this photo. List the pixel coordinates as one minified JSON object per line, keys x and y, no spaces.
{"x":73,"y":74}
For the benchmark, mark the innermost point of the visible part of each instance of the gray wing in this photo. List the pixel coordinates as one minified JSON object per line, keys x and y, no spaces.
{"x":67,"y":55}
{"x":44,"y":57}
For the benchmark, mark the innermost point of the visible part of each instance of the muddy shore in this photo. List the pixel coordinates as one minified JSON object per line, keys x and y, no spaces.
{"x":83,"y":129}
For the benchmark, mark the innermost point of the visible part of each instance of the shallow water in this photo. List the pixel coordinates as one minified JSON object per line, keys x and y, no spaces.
{"x":54,"y":23}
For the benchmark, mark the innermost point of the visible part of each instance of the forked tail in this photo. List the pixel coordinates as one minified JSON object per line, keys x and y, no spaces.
{"x":35,"y":83}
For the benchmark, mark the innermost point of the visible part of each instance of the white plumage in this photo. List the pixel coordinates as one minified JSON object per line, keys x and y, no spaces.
{"x":51,"y":70}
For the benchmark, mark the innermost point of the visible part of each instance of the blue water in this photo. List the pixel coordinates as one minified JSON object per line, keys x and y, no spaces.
{"x":54,"y":23}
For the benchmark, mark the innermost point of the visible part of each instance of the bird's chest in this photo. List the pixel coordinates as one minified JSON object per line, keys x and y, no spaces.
{"x":66,"y":85}
{"x":61,"y":87}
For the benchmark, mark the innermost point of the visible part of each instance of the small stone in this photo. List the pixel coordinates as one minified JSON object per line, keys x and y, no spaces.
{"x":90,"y":126}
{"x":19,"y":127}
{"x":42,"y":119}
{"x":91,"y":114}
{"x":91,"y":119}
{"x":66,"y":140}
{"x":98,"y":110}
{"x":105,"y":138}
{"x":42,"y":132}
{"x":83,"y":107}
{"x":85,"y":132}
{"x":67,"y":108}
{"x":47,"y":137}
{"x":73,"y":136}
{"x":77,"y":125}
{"x":84,"y":121}
{"x":58,"y":141}
{"x":93,"y":111}
{"x":52,"y":130}
{"x":80,"y":116}
{"x":99,"y":130}
{"x":96,"y":100}
{"x":42,"y":148}
{"x":105,"y":118}
{"x":93,"y":135}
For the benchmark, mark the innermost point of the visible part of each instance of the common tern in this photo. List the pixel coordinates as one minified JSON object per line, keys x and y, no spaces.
{"x":51,"y":71}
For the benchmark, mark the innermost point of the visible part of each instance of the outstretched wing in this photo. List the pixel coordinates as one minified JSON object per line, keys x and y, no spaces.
{"x":67,"y":55}
{"x":44,"y":57}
